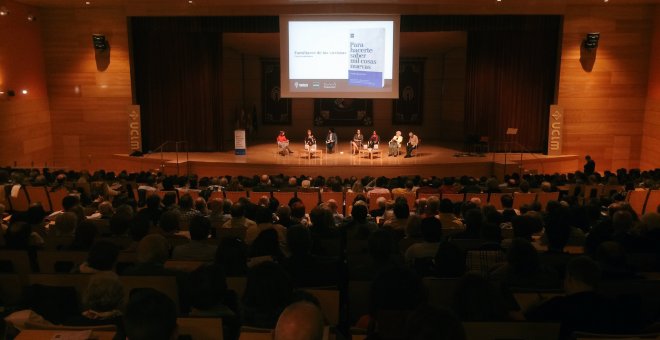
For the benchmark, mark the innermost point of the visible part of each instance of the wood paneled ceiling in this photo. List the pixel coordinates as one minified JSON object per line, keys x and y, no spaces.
{"x":274,"y":7}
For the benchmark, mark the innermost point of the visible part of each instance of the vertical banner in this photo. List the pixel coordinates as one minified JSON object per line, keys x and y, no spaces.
{"x":134,"y":130}
{"x":239,"y":142}
{"x":555,"y":130}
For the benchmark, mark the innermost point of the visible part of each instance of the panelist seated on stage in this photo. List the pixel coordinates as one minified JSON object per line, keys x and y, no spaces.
{"x":395,"y":144}
{"x":310,"y":141}
{"x":331,"y":140}
{"x":374,"y":140}
{"x":283,"y":144}
{"x":413,"y":141}
{"x":356,"y":143}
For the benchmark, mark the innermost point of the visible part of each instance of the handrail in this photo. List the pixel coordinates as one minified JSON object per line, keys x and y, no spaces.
{"x":522,"y":149}
{"x":160,"y":147}
{"x":176,"y":145}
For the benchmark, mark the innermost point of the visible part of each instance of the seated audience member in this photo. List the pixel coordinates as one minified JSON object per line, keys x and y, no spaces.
{"x":283,"y":215}
{"x":432,"y":235}
{"x":394,"y":290}
{"x":300,"y":321}
{"x":473,"y":224}
{"x":232,"y":256}
{"x":238,"y":219}
{"x":187,"y":211}
{"x":198,"y":249}
{"x":400,"y":221}
{"x":450,"y":223}
{"x":217,"y":215}
{"x":169,"y":227}
{"x":208,"y":296}
{"x":358,"y":227}
{"x":381,"y":203}
{"x":477,"y":300}
{"x":152,"y":252}
{"x":523,"y":268}
{"x":334,"y":208}
{"x":383,"y":255}
{"x":84,"y":236}
{"x":298,"y":215}
{"x":149,"y":315}
{"x":612,"y":258}
{"x":428,"y":322}
{"x":153,"y":209}
{"x":582,"y":309}
{"x":102,"y":302}
{"x":65,"y":224}
{"x":266,"y":247}
{"x":305,"y":269}
{"x":19,"y":235}
{"x":508,"y":213}
{"x":413,"y":233}
{"x":264,"y":221}
{"x":102,"y":257}
{"x":449,"y":261}
{"x":267,"y":292}
{"x":138,"y":228}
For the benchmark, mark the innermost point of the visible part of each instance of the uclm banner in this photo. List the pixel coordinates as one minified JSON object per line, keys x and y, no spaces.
{"x":555,"y":130}
{"x":134,"y":131}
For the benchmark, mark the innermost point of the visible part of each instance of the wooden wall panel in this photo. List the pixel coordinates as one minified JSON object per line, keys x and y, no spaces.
{"x":25,"y":131}
{"x":651,"y":138}
{"x":604,"y":108}
{"x":88,"y":103}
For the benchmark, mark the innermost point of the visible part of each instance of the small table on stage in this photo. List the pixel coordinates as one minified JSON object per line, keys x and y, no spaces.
{"x":309,"y":153}
{"x":371,"y":153}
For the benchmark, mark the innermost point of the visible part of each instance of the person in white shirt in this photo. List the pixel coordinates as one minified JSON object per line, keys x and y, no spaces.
{"x":395,"y":144}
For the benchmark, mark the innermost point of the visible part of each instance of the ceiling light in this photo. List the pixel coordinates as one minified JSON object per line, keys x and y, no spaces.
{"x":88,"y":3}
{"x":3,"y":11}
{"x":31,"y":18}
{"x":24,"y":91}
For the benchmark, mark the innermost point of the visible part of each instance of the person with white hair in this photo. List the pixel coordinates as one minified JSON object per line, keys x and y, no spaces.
{"x":395,"y":144}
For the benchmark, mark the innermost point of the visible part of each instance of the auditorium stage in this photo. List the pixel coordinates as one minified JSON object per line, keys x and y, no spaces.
{"x":438,"y":160}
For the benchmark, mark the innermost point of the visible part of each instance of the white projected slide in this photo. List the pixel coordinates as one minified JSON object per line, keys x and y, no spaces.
{"x":353,"y":57}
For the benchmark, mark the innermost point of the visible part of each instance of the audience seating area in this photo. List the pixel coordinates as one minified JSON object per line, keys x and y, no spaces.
{"x":489,"y":256}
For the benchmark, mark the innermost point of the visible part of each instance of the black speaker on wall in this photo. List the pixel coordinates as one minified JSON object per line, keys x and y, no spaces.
{"x":591,"y":41}
{"x":100,"y":43}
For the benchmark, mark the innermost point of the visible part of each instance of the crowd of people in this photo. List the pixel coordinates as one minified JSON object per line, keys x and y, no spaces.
{"x":282,"y":247}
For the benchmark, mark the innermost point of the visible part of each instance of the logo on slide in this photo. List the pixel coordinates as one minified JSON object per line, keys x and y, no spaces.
{"x":295,"y":84}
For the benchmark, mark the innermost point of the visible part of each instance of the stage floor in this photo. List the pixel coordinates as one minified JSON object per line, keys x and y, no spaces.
{"x":438,"y":160}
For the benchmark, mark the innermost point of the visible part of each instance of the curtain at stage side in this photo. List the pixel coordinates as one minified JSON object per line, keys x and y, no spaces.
{"x":178,"y":82}
{"x":510,"y":82}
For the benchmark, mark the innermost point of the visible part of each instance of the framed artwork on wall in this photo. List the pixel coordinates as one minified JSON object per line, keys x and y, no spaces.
{"x":408,"y":109}
{"x":276,"y":110}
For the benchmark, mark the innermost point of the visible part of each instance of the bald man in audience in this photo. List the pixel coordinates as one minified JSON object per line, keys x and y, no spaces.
{"x":300,"y":321}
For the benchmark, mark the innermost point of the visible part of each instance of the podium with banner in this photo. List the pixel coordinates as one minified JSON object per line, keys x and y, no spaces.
{"x":239,"y":142}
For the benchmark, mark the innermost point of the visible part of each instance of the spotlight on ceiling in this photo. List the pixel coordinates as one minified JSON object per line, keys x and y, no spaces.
{"x":4,"y":11}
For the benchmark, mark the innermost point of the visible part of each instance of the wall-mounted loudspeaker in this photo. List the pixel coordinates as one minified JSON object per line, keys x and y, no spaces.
{"x":99,"y":42}
{"x":591,"y":41}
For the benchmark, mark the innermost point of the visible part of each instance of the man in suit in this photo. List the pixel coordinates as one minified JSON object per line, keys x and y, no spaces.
{"x":331,"y":140}
{"x":589,"y":166}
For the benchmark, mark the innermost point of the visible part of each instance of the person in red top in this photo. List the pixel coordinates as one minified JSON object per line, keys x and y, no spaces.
{"x":283,"y":144}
